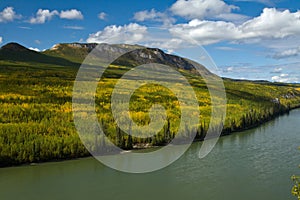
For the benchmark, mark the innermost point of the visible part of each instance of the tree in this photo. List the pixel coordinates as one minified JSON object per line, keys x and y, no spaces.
{"x":129,"y":139}
{"x":167,"y":135}
{"x":296,"y":188}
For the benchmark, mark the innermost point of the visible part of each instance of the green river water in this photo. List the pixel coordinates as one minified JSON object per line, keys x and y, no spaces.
{"x":251,"y":165}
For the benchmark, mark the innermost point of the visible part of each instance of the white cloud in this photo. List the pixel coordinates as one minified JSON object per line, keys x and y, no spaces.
{"x":74,"y":27}
{"x":285,"y":78}
{"x":193,"y":9}
{"x":34,"y":49}
{"x":247,"y":70}
{"x":71,"y":14}
{"x":25,"y":27}
{"x":206,"y":32}
{"x":272,"y":28}
{"x":271,"y":24}
{"x":8,"y":14}
{"x":277,"y":70}
{"x":129,"y":34}
{"x":1,"y":40}
{"x":224,"y":48}
{"x":102,"y":15}
{"x":228,"y":69}
{"x":37,"y":41}
{"x":42,"y":16}
{"x":287,"y":53}
{"x":153,"y":15}
{"x":145,"y":15}
{"x":201,"y":9}
{"x":232,"y":17}
{"x":266,"y":2}
{"x":46,"y":15}
{"x":285,"y":72}
{"x":168,"y":44}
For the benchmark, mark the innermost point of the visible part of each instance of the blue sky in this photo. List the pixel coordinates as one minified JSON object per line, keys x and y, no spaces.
{"x":247,"y":39}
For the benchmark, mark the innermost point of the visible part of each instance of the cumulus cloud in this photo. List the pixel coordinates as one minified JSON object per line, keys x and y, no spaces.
{"x":46,"y":15}
{"x":42,"y":16}
{"x":267,"y":29}
{"x":201,"y":9}
{"x":8,"y":14}
{"x":129,"y":34}
{"x":102,"y":15}
{"x":1,"y":40}
{"x":71,"y":14}
{"x":285,"y":78}
{"x":206,"y":32}
{"x":271,"y":24}
{"x":153,"y":15}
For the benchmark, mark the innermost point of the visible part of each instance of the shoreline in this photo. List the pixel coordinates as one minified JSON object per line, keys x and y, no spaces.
{"x":223,"y":134}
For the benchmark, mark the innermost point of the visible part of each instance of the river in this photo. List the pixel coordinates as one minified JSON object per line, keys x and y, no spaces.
{"x":253,"y":164}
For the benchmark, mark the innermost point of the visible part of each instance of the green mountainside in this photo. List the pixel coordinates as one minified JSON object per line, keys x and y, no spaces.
{"x":18,"y":53}
{"x":36,"y":119}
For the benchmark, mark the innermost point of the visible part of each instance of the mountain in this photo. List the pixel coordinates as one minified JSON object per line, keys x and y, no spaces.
{"x":73,"y":54}
{"x":15,"y":47}
{"x":138,"y":55}
{"x":18,"y":53}
{"x":78,"y":51}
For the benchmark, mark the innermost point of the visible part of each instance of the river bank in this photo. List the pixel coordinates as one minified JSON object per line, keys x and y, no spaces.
{"x":149,"y":147}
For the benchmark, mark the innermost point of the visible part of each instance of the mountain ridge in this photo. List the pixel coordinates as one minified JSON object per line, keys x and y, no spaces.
{"x":136,"y":56}
{"x":73,"y":54}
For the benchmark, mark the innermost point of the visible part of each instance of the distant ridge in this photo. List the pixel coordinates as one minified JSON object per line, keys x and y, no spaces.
{"x":18,"y":53}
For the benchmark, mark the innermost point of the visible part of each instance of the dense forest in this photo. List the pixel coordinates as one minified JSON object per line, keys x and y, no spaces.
{"x":36,"y":120}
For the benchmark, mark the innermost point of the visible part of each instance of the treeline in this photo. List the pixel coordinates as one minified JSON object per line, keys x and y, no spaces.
{"x":37,"y":142}
{"x":256,"y":117}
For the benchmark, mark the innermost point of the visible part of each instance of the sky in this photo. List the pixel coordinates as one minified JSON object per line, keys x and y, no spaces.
{"x":247,"y":39}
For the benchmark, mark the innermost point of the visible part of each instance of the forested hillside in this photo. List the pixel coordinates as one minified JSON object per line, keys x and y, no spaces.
{"x":36,"y":121}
